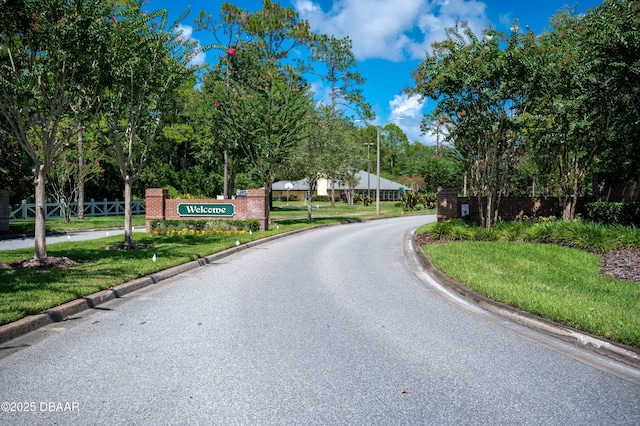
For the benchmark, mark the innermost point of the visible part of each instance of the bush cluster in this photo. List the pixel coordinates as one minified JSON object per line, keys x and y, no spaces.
{"x":590,"y":236}
{"x":320,"y":198}
{"x":366,"y":201}
{"x":613,"y":213}
{"x":160,"y":225}
{"x":412,"y":200}
{"x":284,"y":198}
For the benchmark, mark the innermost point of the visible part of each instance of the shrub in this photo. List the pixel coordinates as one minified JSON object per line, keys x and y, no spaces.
{"x":587,"y":236}
{"x":613,"y":213}
{"x":163,"y":226}
{"x":245,"y":225}
{"x":284,"y":198}
{"x":320,"y":198}
{"x":411,"y":200}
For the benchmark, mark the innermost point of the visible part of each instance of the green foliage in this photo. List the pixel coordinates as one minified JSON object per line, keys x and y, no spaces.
{"x":52,"y":58}
{"x":478,"y":85}
{"x":411,"y":200}
{"x":614,"y":213}
{"x":588,"y":236}
{"x":340,"y":74}
{"x":204,"y":225}
{"x":265,"y":122}
{"x":559,"y":283}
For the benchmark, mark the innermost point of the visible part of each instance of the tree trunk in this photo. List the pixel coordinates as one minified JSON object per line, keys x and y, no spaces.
{"x":566,"y":208}
{"x":481,"y":208}
{"x":40,"y":252}
{"x":225,"y":184}
{"x":312,"y":188}
{"x":128,"y":232}
{"x":333,"y":193}
{"x":80,"y":173}
{"x":489,"y":211}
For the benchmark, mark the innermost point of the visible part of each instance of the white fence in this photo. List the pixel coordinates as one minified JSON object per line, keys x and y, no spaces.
{"x":26,"y":211}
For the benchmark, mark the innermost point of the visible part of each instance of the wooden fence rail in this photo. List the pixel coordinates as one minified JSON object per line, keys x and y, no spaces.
{"x":27,"y":211}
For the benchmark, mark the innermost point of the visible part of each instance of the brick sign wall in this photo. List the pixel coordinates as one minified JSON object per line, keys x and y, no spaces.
{"x":511,"y":208}
{"x":254,"y":206}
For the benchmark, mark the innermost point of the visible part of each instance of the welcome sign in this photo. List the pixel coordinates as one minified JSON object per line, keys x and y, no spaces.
{"x":225,"y":210}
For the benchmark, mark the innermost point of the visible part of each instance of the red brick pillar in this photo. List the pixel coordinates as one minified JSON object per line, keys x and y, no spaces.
{"x":154,"y":204}
{"x":447,"y":203}
{"x":4,"y":210}
{"x":258,"y":206}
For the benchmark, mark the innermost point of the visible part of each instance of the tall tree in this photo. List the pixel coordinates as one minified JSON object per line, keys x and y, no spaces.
{"x":151,"y":62}
{"x":54,"y":51}
{"x":274,"y":30}
{"x":478,"y":83}
{"x":68,"y":173}
{"x":266,"y":122}
{"x":393,"y":145}
{"x":613,"y":30}
{"x":258,"y":45}
{"x":326,"y":152}
{"x":338,"y":70}
{"x":576,"y":104}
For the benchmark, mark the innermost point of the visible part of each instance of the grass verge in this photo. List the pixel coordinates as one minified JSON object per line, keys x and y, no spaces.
{"x":557,"y":281}
{"x":29,"y":291}
{"x":59,"y":225}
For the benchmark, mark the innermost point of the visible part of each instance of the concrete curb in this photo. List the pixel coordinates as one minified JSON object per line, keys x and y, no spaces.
{"x":618,"y":351}
{"x":626,"y":354}
{"x":70,"y":309}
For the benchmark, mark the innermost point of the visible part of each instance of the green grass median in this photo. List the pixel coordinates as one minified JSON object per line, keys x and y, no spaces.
{"x":557,"y":281}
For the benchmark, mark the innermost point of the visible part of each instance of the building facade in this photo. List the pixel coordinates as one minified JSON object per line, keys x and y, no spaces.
{"x":366,"y":187}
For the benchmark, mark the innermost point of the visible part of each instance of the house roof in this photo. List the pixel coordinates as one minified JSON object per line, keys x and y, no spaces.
{"x":385,"y":184}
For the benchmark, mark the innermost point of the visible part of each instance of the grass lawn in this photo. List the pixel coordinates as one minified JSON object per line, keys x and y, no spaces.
{"x":59,"y":225}
{"x":299,"y":209}
{"x":29,"y":291}
{"x":553,"y":281}
{"x":509,"y":264}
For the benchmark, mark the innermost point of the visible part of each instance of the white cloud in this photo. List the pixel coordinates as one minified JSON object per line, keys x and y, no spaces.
{"x":392,"y":30}
{"x":186,"y":32}
{"x":410,"y":108}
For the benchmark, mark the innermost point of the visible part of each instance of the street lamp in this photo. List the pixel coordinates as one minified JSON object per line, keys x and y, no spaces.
{"x":378,"y":127}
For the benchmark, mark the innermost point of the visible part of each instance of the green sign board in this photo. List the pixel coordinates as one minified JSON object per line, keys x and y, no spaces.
{"x":226,"y":210}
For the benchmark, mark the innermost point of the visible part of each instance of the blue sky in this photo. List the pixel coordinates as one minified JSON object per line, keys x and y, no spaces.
{"x":390,"y":37}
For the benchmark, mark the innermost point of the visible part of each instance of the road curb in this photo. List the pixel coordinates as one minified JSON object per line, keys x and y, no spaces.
{"x":626,"y":354}
{"x":614,"y":350}
{"x":70,"y":309}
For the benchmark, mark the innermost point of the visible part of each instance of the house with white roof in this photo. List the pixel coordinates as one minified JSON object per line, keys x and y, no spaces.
{"x":366,"y":187}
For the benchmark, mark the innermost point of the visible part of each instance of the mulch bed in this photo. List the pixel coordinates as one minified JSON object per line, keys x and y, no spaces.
{"x":49,"y":262}
{"x":621,"y":264}
{"x":130,"y":246}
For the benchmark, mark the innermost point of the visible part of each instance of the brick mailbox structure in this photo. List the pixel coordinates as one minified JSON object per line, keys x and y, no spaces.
{"x":450,"y":206}
{"x":447,"y":203}
{"x":253,"y":204}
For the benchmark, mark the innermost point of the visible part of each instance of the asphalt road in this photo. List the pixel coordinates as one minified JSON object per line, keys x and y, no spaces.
{"x":29,"y":242}
{"x":327,"y":327}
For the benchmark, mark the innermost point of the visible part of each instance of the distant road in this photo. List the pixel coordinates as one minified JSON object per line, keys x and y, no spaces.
{"x":16,"y":243}
{"x":329,"y":327}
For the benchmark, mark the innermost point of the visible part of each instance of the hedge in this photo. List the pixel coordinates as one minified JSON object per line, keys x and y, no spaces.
{"x":613,"y":213}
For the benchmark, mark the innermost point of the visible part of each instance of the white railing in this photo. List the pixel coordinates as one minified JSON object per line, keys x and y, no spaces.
{"x":27,"y":211}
